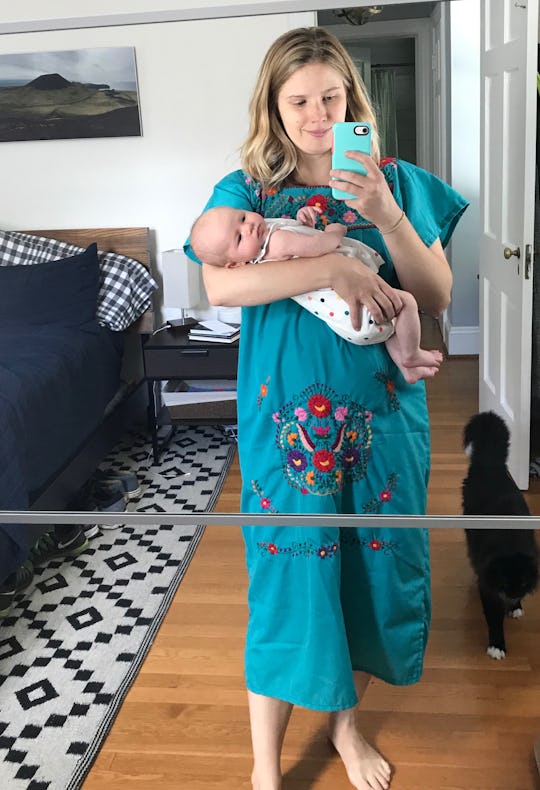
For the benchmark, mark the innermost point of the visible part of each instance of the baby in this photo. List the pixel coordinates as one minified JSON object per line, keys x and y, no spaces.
{"x":225,"y":236}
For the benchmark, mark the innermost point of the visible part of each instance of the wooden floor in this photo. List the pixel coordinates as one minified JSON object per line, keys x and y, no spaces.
{"x":470,"y":723}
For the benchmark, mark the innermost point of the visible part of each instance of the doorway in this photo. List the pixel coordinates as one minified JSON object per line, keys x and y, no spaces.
{"x":387,"y":67}
{"x":393,"y":53}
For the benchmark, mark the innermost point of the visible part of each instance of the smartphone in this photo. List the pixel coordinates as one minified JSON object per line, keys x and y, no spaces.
{"x":349,"y":136}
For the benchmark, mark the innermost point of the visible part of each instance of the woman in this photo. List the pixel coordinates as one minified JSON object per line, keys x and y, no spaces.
{"x":326,"y":426}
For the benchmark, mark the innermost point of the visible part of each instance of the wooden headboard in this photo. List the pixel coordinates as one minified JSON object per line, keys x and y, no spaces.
{"x":133,"y":242}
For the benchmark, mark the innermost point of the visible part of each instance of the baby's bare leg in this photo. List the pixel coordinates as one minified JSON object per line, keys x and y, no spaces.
{"x":366,"y":768}
{"x":414,"y":362}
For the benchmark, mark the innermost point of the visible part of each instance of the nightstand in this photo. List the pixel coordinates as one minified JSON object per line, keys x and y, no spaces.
{"x":170,"y":355}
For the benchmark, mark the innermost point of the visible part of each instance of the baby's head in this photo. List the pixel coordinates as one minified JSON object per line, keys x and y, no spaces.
{"x":225,"y":236}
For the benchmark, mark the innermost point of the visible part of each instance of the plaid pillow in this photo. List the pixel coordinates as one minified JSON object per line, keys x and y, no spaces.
{"x":125,"y":288}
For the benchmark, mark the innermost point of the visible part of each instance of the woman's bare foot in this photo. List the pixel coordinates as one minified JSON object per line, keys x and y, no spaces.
{"x":265,"y":783}
{"x":366,"y":768}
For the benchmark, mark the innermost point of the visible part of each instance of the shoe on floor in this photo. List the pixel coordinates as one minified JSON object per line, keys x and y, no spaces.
{"x":103,"y":497}
{"x":98,"y":496}
{"x":61,"y":541}
{"x":534,"y":468}
{"x":14,"y":584}
{"x":537,"y":753}
{"x":107,"y":499}
{"x":91,"y":530}
{"x":128,"y":480}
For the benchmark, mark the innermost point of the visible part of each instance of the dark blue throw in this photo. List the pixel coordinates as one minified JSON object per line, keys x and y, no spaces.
{"x":55,"y":383}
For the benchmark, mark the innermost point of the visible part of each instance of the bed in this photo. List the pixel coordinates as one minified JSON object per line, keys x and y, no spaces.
{"x":69,"y":302}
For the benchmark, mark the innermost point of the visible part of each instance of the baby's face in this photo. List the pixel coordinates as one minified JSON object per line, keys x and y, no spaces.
{"x":242,"y":234}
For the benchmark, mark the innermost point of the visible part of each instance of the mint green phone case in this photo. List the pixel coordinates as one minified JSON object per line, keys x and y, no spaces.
{"x":349,"y":136}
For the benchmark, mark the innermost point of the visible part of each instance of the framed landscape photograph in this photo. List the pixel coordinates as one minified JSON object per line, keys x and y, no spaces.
{"x":69,"y":94}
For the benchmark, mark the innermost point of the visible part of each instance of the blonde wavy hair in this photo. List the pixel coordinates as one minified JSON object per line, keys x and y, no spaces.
{"x":267,"y":154}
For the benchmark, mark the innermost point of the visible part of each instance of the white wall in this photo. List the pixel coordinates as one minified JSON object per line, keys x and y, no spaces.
{"x":462,"y":317}
{"x":195,"y":79}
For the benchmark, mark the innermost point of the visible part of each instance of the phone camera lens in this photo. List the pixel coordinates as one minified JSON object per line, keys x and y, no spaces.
{"x":361,"y":130}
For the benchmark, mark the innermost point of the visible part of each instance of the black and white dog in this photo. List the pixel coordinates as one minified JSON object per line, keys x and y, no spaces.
{"x":505,"y":561}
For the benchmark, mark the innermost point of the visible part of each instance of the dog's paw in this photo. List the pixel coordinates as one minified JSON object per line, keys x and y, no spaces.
{"x":516,"y":613}
{"x":496,"y":653}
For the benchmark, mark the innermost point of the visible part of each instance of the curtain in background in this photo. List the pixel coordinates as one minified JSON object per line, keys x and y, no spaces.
{"x":383,"y":93}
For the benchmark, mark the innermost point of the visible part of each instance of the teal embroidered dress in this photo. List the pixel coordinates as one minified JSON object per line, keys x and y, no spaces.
{"x":325,"y":426}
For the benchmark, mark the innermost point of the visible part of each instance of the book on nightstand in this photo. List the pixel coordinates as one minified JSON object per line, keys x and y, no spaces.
{"x":214,"y":338}
{"x":215,"y":332}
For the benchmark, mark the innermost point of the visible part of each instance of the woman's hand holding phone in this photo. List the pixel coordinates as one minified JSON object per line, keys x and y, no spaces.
{"x":356,"y":179}
{"x":349,"y":136}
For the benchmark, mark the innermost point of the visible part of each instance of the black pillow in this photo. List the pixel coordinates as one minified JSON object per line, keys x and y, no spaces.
{"x":62,"y":292}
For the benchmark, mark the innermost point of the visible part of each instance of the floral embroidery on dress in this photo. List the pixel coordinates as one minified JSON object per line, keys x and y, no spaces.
{"x":264,"y":501}
{"x":263,"y":392}
{"x":325,"y":211}
{"x":310,"y":548}
{"x":324,"y":440}
{"x":307,"y":548}
{"x":390,"y":388}
{"x":319,"y":202}
{"x":388,"y":160}
{"x":373,"y":544}
{"x":286,"y":202}
{"x":385,"y":495}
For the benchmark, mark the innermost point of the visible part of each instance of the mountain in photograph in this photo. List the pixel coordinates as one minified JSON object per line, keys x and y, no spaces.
{"x":51,"y":106}
{"x":52,"y":93}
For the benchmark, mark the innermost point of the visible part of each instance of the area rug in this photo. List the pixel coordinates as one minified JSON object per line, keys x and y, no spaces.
{"x":75,"y":641}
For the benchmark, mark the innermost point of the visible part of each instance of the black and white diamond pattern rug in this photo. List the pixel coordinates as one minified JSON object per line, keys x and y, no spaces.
{"x":75,"y":641}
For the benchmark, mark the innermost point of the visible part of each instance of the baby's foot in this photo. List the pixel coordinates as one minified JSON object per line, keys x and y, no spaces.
{"x":416,"y":365}
{"x":412,"y":375}
{"x":366,"y":768}
{"x":423,"y":358}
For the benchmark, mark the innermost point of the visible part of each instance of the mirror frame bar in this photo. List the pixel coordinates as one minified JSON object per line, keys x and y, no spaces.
{"x":350,"y":520}
{"x":193,"y":13}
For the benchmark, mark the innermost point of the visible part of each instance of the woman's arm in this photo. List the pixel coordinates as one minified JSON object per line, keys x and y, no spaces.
{"x":424,"y":271}
{"x":274,"y":280}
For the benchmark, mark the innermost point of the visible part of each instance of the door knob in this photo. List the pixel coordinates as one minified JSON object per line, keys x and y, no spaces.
{"x":508,"y":253}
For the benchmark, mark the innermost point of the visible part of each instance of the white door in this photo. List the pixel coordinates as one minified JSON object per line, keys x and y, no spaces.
{"x":508,"y":153}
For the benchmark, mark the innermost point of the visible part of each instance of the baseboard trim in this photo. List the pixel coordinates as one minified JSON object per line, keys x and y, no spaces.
{"x":460,"y":340}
